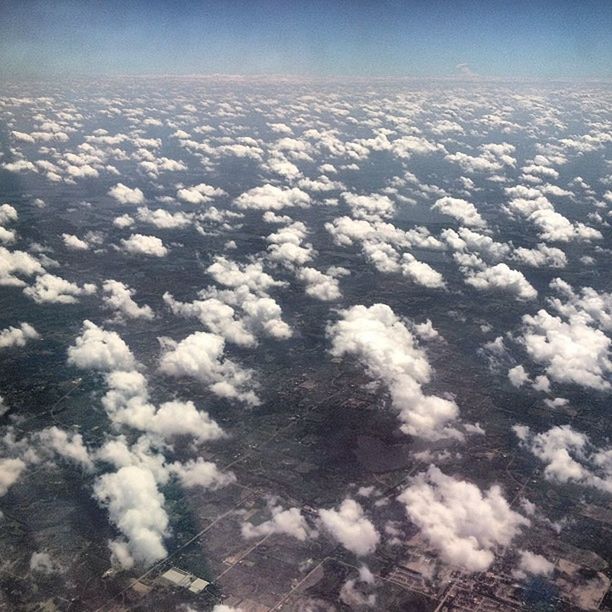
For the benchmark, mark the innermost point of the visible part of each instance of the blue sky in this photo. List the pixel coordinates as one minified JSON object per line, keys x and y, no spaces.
{"x":515,"y":39}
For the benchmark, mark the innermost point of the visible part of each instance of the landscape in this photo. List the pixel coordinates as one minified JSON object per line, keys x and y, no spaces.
{"x":305,"y":343}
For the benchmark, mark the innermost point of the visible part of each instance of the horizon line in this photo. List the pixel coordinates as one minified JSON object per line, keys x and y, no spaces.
{"x":220,"y":76}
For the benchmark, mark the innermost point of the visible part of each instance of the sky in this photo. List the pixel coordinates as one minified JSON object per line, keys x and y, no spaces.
{"x":515,"y":39}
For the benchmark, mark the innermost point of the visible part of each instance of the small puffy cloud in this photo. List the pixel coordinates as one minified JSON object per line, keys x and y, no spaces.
{"x":493,"y":158}
{"x":163,"y":164}
{"x":461,"y":210}
{"x":518,"y":376}
{"x":49,"y":288}
{"x":569,"y":456}
{"x":351,"y":528}
{"x":270,"y":197}
{"x":74,"y":243}
{"x":319,"y":285}
{"x":238,"y":315}
{"x":502,"y":278}
{"x":540,"y":257}
{"x":169,"y":420}
{"x":287,"y":245}
{"x":139,"y":244}
{"x":22,"y":137}
{"x":123,"y":221}
{"x":464,"y":524}
{"x":288,"y":522}
{"x":163,"y":219}
{"x":554,"y":227}
{"x":118,"y":297}
{"x":354,"y":592}
{"x":7,"y":215}
{"x":379,"y":235}
{"x":200,"y":356}
{"x":533,"y":205}
{"x":98,"y":349}
{"x":370,"y":207}
{"x":588,"y":305}
{"x":320,"y":184}
{"x":280,"y":128}
{"x":407,"y":146}
{"x":533,"y":564}
{"x":201,"y":473}
{"x":426,"y":330}
{"x":118,"y":453}
{"x":126,"y":195}
{"x":70,"y":446}
{"x":467,"y":240}
{"x":199,"y":194}
{"x":17,"y":336}
{"x":14,"y":264}
{"x":232,"y":274}
{"x":20,"y":165}
{"x":42,"y":563}
{"x":444,"y":127}
{"x":421,"y":273}
{"x":10,"y":471}
{"x":279,"y":164}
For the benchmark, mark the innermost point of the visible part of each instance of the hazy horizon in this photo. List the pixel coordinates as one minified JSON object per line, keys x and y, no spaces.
{"x":545,"y":39}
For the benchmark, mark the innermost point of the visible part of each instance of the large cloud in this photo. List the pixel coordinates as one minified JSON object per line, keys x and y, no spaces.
{"x":464,"y":524}
{"x":571,"y":351}
{"x":385,"y":346}
{"x":136,"y":508}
